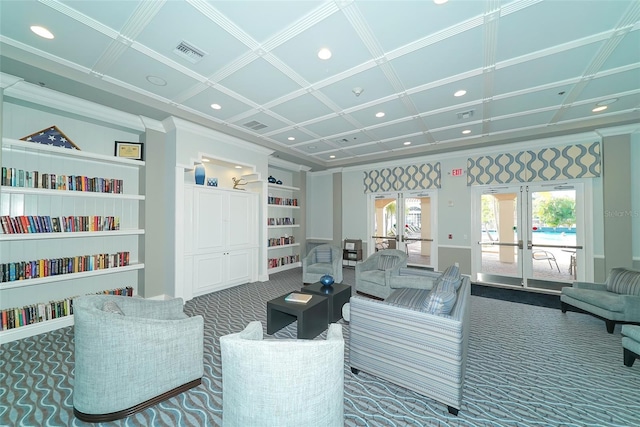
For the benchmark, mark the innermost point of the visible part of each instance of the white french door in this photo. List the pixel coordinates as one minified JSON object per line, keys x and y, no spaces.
{"x":529,"y":235}
{"x":405,"y":221}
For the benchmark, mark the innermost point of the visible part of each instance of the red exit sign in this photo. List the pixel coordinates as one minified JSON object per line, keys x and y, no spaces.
{"x":456,"y":172}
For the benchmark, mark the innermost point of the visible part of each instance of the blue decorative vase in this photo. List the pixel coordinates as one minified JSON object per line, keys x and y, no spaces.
{"x":199,"y":174}
{"x":326,"y":280}
{"x":271,"y":180}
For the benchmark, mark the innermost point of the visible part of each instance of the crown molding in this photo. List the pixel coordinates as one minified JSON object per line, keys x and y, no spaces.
{"x":619,"y":130}
{"x":180,"y":125}
{"x":70,"y":104}
{"x":274,"y":161}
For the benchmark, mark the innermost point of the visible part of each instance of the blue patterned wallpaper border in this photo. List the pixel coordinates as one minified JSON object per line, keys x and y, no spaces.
{"x":402,"y":178}
{"x":545,"y":164}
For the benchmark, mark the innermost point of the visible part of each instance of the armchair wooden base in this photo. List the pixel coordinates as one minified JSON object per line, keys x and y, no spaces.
{"x":112,"y":416}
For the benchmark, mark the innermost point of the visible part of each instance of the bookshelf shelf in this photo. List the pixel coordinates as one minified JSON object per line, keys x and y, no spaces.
{"x":282,"y":246}
{"x":284,"y":226}
{"x":69,"y":276}
{"x":69,"y":235}
{"x":41,"y":149}
{"x":68,"y":193}
{"x":35,"y":329}
{"x":285,"y":267}
{"x":271,"y":205}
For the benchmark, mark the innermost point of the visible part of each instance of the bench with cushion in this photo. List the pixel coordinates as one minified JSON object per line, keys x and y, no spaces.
{"x":616,"y":301}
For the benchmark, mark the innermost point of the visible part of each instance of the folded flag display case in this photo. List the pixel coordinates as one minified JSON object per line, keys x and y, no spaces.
{"x":51,"y":136}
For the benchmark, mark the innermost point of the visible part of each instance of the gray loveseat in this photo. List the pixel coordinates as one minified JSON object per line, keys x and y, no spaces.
{"x":403,"y":341}
{"x":616,"y":301}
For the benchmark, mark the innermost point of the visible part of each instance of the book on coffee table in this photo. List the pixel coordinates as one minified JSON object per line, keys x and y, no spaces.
{"x":300,"y":298}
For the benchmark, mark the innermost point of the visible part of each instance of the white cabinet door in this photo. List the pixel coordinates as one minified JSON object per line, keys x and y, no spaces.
{"x":208,"y":273}
{"x":243,"y":208}
{"x":210,"y":219}
{"x":240,"y":264}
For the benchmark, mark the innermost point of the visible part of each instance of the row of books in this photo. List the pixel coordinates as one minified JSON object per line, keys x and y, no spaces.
{"x":279,"y":241}
{"x":278,"y":262}
{"x":24,"y":270}
{"x":12,"y":318}
{"x":282,"y":201}
{"x":47,"y":224}
{"x":13,"y":177}
{"x":281,"y":221}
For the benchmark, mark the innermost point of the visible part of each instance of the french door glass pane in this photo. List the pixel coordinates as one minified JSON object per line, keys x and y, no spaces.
{"x":499,"y":234}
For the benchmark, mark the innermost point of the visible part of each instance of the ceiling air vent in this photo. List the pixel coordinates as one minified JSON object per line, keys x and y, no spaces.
{"x":465,"y":115}
{"x":254,"y":125}
{"x":189,"y":52}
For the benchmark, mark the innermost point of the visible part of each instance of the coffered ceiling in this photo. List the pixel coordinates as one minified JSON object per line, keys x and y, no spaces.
{"x":530,"y":68}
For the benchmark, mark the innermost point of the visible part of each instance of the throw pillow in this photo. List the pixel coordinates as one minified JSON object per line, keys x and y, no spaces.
{"x":451,"y":276}
{"x":386,"y":262}
{"x":112,"y":307}
{"x":623,"y":281}
{"x":323,"y":255}
{"x":439,"y":302}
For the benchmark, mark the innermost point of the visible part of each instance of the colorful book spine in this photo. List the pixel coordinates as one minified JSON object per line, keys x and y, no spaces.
{"x":15,"y":317}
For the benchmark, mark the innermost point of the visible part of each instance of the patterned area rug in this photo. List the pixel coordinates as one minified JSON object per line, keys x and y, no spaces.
{"x":527,"y":366}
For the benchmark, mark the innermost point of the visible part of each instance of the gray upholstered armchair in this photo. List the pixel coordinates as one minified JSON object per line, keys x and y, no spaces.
{"x":282,"y":382}
{"x":321,"y":260}
{"x":372,"y":275}
{"x":616,"y":301}
{"x":131,"y":353}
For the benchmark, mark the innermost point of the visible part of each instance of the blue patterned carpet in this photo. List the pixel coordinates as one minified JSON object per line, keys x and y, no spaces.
{"x":527,"y":366}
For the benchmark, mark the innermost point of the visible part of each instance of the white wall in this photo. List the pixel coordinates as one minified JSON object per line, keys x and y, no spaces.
{"x":319,"y":219}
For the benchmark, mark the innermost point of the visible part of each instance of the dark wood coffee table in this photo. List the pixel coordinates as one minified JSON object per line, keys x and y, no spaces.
{"x":338,"y":295}
{"x":311,"y":316}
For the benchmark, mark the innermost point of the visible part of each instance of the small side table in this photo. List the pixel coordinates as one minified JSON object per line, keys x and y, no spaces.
{"x":311,"y":317}
{"x":338,"y":295}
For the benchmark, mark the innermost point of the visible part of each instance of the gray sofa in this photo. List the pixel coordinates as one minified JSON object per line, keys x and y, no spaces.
{"x":132,"y":353}
{"x":372,"y":275}
{"x":615,"y":301}
{"x":402,"y":341}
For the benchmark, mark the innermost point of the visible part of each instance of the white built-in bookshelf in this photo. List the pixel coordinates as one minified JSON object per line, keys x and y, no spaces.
{"x":104,"y":253}
{"x":283,"y":224}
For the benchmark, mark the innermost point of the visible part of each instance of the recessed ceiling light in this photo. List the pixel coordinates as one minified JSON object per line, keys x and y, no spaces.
{"x":332,"y":156}
{"x":407,"y":143}
{"x":461,"y":92}
{"x":238,"y":167}
{"x":607,"y":102}
{"x":324,"y":53}
{"x":291,"y":138}
{"x":380,"y":114}
{"x":466,"y":131}
{"x":155,"y":80}
{"x":440,"y":1}
{"x":205,"y":160}
{"x":598,"y":109}
{"x":42,"y":32}
{"x":216,"y":106}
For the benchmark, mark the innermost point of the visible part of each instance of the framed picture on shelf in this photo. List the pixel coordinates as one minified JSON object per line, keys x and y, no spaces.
{"x":130,"y":150}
